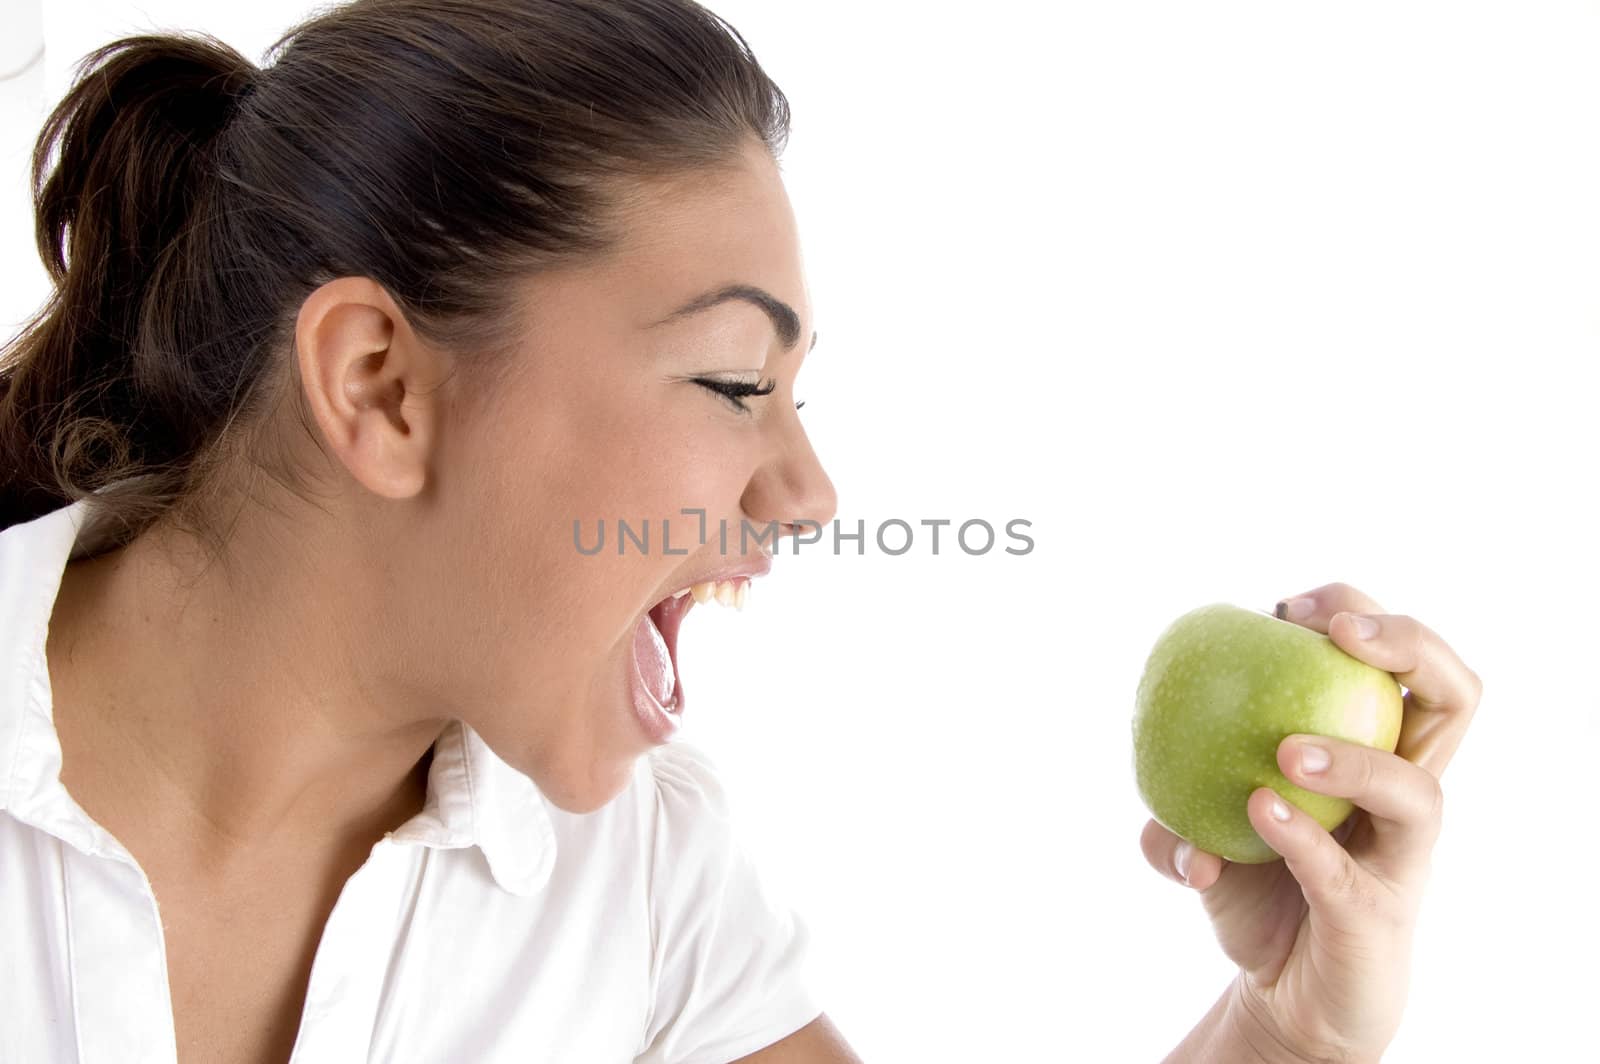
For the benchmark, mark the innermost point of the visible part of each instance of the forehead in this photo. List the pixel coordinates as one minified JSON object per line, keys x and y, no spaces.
{"x":679,"y":238}
{"x":695,"y":233}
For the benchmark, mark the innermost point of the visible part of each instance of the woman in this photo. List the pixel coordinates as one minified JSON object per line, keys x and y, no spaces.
{"x":324,"y":735}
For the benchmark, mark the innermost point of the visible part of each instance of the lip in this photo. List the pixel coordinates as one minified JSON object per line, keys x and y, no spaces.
{"x":659,"y":724}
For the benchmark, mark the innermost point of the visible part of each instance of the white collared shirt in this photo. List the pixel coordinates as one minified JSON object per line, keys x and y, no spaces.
{"x":492,"y":926}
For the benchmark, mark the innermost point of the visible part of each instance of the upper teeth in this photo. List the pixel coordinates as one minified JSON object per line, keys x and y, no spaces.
{"x":728,"y":592}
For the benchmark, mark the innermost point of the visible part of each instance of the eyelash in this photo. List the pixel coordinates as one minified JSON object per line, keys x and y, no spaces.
{"x":735,"y":391}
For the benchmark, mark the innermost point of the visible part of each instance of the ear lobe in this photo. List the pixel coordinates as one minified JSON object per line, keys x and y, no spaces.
{"x":366,"y":378}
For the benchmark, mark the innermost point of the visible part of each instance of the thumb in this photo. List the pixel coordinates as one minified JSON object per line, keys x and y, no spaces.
{"x":1333,"y":882}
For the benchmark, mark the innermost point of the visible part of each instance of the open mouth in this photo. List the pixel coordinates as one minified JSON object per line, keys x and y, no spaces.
{"x":655,"y":638}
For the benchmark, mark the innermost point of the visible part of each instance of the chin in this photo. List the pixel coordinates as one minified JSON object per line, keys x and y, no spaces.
{"x":591,"y":793}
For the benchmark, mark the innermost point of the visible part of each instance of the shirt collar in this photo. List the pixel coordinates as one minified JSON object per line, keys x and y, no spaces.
{"x":474,"y":798}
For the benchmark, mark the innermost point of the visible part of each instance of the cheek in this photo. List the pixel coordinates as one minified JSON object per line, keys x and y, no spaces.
{"x":643,"y":451}
{"x":537,"y":611}
{"x":573,"y":449}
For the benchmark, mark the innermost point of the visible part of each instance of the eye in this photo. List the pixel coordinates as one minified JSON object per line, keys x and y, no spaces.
{"x":736,"y":391}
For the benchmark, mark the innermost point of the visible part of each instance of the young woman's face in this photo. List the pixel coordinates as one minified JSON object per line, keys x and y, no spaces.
{"x":603,"y":418}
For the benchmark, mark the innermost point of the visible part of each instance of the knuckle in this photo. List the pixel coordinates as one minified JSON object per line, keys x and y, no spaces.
{"x":1339,"y":592}
{"x":1419,"y":637}
{"x":1351,"y":889}
{"x":1363,"y":773}
{"x":1435,"y":805}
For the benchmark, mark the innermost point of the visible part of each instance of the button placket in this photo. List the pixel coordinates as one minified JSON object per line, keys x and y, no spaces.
{"x":347,"y":971}
{"x":122,"y":1003}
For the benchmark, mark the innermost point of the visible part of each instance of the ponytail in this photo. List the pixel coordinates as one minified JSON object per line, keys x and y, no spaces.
{"x":91,"y":391}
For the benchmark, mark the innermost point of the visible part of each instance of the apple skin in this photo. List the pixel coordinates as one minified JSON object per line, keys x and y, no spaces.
{"x":1221,"y":689}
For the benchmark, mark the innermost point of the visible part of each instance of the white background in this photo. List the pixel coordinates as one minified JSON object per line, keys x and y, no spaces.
{"x":1229,"y":300}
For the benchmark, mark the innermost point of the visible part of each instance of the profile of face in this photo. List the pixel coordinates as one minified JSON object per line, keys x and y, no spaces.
{"x":489,"y":491}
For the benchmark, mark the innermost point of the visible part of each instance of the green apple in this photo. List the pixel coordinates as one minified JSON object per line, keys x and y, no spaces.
{"x":1222,"y":687}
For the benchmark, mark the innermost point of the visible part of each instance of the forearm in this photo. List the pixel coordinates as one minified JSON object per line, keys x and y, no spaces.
{"x":1227,"y":1034}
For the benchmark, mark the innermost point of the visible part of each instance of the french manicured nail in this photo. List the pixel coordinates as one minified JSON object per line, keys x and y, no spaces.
{"x":1366,"y":627}
{"x":1279,"y":810}
{"x":1182,"y":858}
{"x":1295,"y":609}
{"x":1313,"y":758}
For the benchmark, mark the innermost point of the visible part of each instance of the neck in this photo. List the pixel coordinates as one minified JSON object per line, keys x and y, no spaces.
{"x":218,"y":718}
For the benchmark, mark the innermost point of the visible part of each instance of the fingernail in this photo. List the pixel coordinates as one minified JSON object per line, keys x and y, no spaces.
{"x":1278,"y":810}
{"x":1366,"y":627}
{"x":1313,"y":758}
{"x":1182,"y":858}
{"x":1295,"y":609}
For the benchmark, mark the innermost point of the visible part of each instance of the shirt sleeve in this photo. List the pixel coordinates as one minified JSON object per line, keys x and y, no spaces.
{"x":728,"y":957}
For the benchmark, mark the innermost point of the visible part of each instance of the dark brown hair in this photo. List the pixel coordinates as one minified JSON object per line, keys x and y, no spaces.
{"x":443,"y":148}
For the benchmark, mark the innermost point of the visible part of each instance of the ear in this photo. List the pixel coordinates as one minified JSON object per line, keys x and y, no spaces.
{"x":370,"y":382}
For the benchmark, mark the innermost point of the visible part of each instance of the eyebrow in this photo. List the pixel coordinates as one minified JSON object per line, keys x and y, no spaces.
{"x":784,"y":319}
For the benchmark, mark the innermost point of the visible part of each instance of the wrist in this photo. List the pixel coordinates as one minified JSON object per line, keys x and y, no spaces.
{"x":1247,"y":1032}
{"x":1252,"y":1036}
{"x":1227,"y":1034}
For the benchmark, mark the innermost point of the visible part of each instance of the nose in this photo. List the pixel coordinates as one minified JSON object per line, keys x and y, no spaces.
{"x":791,"y":488}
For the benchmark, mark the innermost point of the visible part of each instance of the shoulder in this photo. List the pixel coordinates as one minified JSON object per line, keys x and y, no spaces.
{"x":686,"y":777}
{"x":727,"y":972}
{"x":688,"y":812}
{"x":700,"y":869}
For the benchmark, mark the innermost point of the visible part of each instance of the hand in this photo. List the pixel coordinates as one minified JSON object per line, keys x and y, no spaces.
{"x":1323,"y":937}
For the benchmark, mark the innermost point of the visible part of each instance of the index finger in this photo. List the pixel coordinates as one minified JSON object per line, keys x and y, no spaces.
{"x":1441,"y":691}
{"x":1315,"y":608}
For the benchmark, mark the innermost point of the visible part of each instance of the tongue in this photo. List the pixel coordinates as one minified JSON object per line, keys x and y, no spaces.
{"x":653,"y":660}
